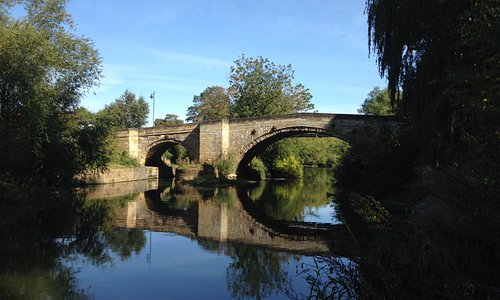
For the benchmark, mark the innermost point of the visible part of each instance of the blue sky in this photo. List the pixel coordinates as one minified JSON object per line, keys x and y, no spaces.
{"x":177,"y":48}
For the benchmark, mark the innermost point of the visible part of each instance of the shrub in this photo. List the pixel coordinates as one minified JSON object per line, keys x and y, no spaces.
{"x":226,"y":164}
{"x":256,"y":170}
{"x":288,"y":166}
{"x":120,"y":159}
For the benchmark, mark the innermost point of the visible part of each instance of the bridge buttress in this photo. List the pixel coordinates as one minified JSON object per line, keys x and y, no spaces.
{"x":214,"y":140}
{"x":133,"y":142}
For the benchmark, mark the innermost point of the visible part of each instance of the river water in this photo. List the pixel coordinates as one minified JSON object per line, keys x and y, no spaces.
{"x":166,"y":240}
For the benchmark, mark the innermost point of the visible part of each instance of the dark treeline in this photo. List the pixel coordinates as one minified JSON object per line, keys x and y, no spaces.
{"x":422,"y":200}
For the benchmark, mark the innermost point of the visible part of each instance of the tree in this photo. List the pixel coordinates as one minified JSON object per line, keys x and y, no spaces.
{"x":170,"y":119}
{"x":212,"y":103}
{"x":377,"y":103}
{"x":46,"y":68}
{"x":258,"y":87}
{"x":443,"y":57}
{"x":127,"y":111}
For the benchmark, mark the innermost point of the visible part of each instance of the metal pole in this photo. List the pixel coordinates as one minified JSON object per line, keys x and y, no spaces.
{"x":153,"y":96}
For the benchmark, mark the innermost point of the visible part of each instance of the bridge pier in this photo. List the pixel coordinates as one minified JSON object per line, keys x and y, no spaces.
{"x":214,"y":140}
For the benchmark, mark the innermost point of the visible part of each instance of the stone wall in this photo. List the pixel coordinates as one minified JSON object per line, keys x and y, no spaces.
{"x":105,"y":191}
{"x":120,"y":175}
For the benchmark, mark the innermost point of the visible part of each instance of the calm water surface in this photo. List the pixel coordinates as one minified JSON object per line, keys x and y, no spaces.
{"x":175,"y":241}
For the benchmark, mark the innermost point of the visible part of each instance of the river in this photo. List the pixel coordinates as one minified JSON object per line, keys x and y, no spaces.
{"x":167,"y":240}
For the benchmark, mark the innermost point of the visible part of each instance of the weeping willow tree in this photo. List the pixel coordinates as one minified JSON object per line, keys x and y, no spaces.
{"x":442,"y":63}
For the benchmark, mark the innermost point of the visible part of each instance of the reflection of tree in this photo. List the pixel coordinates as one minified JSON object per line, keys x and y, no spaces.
{"x":39,"y":234}
{"x":255,"y":272}
{"x":124,"y":241}
{"x":42,"y":235}
{"x":226,"y":196}
{"x":287,"y":200}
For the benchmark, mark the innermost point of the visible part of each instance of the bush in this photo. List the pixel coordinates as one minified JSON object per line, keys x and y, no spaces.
{"x":288,"y":166}
{"x":120,"y":159}
{"x":226,"y":164}
{"x":177,"y":154}
{"x":256,"y":170}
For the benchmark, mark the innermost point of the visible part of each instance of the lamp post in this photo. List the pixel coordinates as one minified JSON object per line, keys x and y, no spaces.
{"x":153,"y":96}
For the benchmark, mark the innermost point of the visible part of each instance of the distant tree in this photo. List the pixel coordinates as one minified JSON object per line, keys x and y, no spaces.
{"x":378,"y":103}
{"x":212,"y":103}
{"x":128,"y":111}
{"x":170,"y":119}
{"x":258,"y":87}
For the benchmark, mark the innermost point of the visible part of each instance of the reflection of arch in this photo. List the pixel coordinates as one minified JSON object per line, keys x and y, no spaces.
{"x":260,"y":143}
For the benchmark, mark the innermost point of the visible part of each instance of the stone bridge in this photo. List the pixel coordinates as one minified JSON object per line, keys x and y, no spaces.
{"x":245,"y":137}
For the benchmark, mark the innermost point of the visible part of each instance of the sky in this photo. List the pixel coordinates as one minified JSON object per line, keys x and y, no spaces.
{"x":178,"y":48}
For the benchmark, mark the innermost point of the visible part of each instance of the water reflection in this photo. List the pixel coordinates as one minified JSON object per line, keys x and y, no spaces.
{"x":38,"y":233}
{"x":221,"y":214}
{"x":59,"y":250}
{"x":296,"y":200}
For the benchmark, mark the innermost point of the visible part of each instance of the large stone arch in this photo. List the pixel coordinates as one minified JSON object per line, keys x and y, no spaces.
{"x":260,"y":143}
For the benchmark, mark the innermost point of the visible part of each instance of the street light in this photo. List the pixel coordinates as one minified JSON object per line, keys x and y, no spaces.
{"x":153,"y":96}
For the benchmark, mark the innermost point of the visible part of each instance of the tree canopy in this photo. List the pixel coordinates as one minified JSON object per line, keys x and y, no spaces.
{"x":46,"y":69}
{"x":212,"y":103}
{"x":128,"y":111}
{"x":170,"y":119}
{"x":443,"y":57}
{"x":258,"y":87}
{"x":377,"y":103}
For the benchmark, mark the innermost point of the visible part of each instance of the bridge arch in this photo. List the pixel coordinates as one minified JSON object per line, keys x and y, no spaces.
{"x":154,"y":152}
{"x":258,"y":145}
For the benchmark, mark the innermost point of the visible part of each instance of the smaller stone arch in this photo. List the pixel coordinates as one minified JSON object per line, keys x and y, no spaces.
{"x":248,"y":152}
{"x":155,"y":150}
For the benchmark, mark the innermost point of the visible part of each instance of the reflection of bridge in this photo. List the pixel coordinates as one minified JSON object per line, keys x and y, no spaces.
{"x":243,"y":137}
{"x":223,"y":218}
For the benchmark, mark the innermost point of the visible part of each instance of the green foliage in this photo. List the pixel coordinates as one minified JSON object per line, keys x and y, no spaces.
{"x":370,"y":210}
{"x":170,"y":119}
{"x":121,"y":159}
{"x":378,"y":103}
{"x":46,"y":68}
{"x":288,"y":166}
{"x":126,"y":112}
{"x":317,"y":152}
{"x":178,"y":155}
{"x":226,"y":164}
{"x":258,"y":87}
{"x":256,"y":170}
{"x":342,"y":274}
{"x":212,"y":103}
{"x":442,"y":63}
{"x":443,"y":58}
